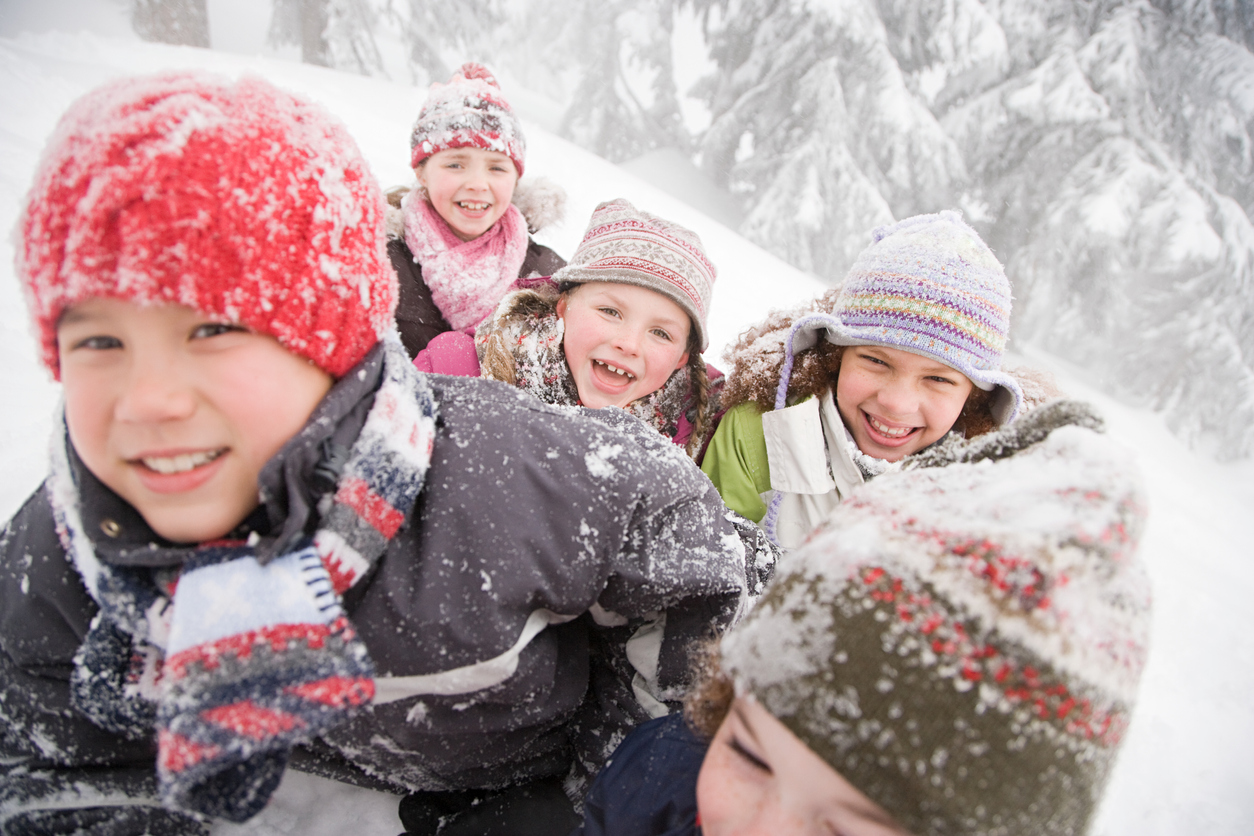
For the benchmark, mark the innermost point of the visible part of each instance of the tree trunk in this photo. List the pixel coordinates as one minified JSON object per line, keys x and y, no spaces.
{"x":171,"y":21}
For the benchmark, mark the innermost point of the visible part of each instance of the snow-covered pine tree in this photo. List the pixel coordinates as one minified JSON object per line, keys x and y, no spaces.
{"x":1116,"y":170}
{"x":625,"y":103}
{"x":814,"y":126}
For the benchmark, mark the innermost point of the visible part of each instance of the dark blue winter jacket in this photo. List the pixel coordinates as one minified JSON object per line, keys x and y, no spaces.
{"x":649,"y":786}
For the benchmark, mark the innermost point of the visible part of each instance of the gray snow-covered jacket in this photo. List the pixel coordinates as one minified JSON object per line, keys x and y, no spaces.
{"x":578,"y":545}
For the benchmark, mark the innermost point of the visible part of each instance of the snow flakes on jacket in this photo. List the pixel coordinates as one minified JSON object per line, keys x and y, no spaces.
{"x":536,"y":602}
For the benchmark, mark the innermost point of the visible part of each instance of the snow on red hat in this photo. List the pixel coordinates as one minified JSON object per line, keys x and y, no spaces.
{"x":234,"y":198}
{"x":468,"y":112}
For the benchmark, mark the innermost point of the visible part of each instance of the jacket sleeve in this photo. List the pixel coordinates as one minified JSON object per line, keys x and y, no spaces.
{"x":685,"y":569}
{"x":61,"y":773}
{"x":736,"y":461}
{"x":417,"y":318}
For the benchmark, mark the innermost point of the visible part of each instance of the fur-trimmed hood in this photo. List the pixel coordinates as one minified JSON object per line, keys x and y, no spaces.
{"x":758,"y":355}
{"x":541,"y":201}
{"x":521,"y":344}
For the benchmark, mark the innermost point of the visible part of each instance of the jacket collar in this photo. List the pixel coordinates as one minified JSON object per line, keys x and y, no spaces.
{"x":290,"y":485}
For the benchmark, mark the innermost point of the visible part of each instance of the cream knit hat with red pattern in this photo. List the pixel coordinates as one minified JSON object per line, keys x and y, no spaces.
{"x":231,"y":197}
{"x":624,"y":244}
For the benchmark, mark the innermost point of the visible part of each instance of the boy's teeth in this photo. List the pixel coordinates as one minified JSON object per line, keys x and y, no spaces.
{"x":616,"y":370}
{"x":892,"y":432}
{"x":180,"y":463}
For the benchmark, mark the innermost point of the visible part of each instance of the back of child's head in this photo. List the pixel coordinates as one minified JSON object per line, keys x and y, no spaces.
{"x":963,"y":644}
{"x":927,"y":285}
{"x":626,"y":245}
{"x":231,"y":197}
{"x":468,"y":112}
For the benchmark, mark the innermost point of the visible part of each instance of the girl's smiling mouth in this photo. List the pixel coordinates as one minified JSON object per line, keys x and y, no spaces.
{"x":621,"y":372}
{"x":887,"y":434}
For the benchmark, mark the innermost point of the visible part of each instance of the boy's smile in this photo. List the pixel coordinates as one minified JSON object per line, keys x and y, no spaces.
{"x":895,"y":403}
{"x":621,"y":341}
{"x":177,"y":413}
{"x":469,"y":187}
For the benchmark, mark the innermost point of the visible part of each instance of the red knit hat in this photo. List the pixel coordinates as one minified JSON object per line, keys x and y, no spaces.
{"x":468,"y":112}
{"x":234,"y":198}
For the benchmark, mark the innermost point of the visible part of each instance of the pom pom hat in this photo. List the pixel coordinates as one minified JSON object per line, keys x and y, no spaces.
{"x":930,"y":286}
{"x":623,"y":244}
{"x":233,"y":198}
{"x":963,"y":643}
{"x":468,"y":112}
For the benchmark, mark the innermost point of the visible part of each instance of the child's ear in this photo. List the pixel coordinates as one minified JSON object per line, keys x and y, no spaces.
{"x":560,"y":308}
{"x":682,"y":361}
{"x":419,"y":172}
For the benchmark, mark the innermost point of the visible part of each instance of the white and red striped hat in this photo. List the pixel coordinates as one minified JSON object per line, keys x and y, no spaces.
{"x":467,"y":112}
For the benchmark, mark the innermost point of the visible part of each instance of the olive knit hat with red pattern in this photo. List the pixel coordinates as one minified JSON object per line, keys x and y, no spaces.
{"x":963,"y":643}
{"x":467,"y":112}
{"x":234,"y":198}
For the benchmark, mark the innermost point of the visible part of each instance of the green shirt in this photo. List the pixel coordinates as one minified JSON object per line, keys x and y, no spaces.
{"x":736,"y":461}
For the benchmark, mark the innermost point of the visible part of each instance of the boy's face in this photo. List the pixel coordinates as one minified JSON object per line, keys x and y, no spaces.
{"x":622,"y":342}
{"x":759,"y":778}
{"x":470,"y":187}
{"x":177,"y":413}
{"x":895,"y":403}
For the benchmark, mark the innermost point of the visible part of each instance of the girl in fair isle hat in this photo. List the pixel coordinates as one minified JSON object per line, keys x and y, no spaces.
{"x":954,"y":652}
{"x":460,"y":240}
{"x":906,"y":350}
{"x":623,"y":324}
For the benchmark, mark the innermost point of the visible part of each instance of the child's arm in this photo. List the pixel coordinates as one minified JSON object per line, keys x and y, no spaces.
{"x":736,"y":461}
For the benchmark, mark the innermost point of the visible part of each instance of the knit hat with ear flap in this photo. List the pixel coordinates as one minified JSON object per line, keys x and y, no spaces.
{"x":930,"y":286}
{"x":623,"y":244}
{"x":235,"y":198}
{"x":468,"y":112}
{"x":963,"y":643}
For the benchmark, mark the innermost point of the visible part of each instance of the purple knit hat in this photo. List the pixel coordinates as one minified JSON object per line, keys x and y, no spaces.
{"x":625,"y":245}
{"x":468,"y":112}
{"x":930,"y":286}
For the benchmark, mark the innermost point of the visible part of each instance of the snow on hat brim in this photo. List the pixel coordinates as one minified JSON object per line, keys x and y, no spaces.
{"x":1007,"y":396}
{"x":625,"y":245}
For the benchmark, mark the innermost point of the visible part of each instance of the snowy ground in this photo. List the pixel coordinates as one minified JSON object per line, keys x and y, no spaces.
{"x":1187,"y":764}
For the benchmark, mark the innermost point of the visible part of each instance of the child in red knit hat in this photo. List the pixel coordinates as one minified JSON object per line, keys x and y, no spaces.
{"x":267,"y":540}
{"x":460,"y":242}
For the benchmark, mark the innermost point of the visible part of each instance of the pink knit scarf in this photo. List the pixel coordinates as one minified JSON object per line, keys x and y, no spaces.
{"x":467,"y":278}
